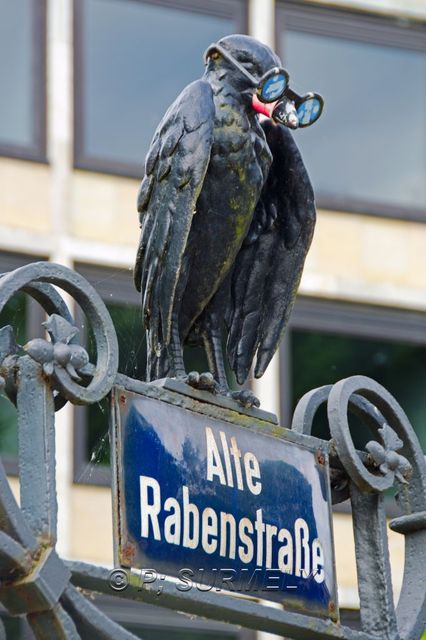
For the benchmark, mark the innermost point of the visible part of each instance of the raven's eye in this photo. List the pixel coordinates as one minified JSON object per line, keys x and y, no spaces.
{"x":215,"y":55}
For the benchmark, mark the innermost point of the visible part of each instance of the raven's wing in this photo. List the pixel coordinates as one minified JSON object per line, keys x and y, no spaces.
{"x":269,"y":266}
{"x":175,"y":167}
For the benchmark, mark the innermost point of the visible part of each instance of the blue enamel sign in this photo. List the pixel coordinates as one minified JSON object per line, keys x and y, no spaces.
{"x":221,"y":506}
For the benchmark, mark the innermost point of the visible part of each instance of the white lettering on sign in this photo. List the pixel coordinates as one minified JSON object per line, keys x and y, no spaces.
{"x":245,"y":531}
{"x":318,"y":561}
{"x":172,"y":522}
{"x":271,"y":531}
{"x":181,"y":522}
{"x":183,"y":525}
{"x":260,"y":530}
{"x":227,"y":535}
{"x":222,"y":467}
{"x":191,"y":522}
{"x":285,"y":554}
{"x":214,"y":462}
{"x":252,"y":469}
{"x":209,"y":534}
{"x":236,"y":454}
{"x":150,"y":508}
{"x":303,"y":564}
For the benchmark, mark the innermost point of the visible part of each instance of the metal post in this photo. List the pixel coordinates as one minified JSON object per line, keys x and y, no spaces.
{"x":36,"y":433}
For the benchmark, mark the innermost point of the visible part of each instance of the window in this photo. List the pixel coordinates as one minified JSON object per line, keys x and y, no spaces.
{"x":367,"y":153}
{"x":91,"y":441}
{"x":22,"y":79}
{"x":329,"y":341}
{"x":25,"y":316}
{"x":132,"y":60}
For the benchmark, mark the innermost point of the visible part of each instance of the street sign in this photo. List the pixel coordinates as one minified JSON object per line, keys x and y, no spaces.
{"x":219,"y":506}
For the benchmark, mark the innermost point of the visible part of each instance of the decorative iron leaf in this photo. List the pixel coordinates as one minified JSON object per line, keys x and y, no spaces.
{"x":59,"y":329}
{"x":390,"y":439}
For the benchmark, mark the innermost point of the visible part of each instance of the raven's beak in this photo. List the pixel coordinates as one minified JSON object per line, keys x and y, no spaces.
{"x":265,"y":108}
{"x":285,"y":113}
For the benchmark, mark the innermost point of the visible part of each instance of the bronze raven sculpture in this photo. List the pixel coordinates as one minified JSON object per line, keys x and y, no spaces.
{"x":227,"y":215}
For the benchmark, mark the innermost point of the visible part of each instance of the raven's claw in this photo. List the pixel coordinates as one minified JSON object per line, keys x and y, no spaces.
{"x":246,"y":398}
{"x":202,"y":381}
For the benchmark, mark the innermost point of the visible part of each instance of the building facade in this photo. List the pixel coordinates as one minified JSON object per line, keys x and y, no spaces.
{"x":84,"y":84}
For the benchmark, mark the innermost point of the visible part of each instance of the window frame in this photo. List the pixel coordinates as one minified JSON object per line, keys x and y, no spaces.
{"x":346,"y":318}
{"x":37,"y":150}
{"x":350,"y":319}
{"x":358,"y":26}
{"x":235,"y":9}
{"x":120,"y":290}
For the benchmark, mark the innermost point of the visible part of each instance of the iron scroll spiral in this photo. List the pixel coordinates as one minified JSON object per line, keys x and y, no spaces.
{"x":379,"y":410}
{"x":37,"y":279}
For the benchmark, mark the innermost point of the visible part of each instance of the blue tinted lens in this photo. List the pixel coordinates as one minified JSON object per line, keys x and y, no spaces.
{"x":274,"y":87}
{"x":309,"y":111}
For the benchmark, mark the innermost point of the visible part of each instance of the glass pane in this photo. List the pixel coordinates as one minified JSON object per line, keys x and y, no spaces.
{"x":97,"y":444}
{"x":132,"y":358}
{"x":127,"y":320}
{"x":370,"y":142}
{"x":138,"y":58}
{"x":319,"y":359}
{"x":16,"y":72}
{"x":15,"y":314}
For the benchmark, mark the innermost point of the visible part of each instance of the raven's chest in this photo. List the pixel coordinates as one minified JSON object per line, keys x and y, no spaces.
{"x":239,"y":152}
{"x":239,"y":164}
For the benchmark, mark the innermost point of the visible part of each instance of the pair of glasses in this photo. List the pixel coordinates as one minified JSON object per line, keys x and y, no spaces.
{"x":273,"y":86}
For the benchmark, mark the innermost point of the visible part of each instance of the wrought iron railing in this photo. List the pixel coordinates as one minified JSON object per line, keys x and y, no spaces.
{"x":35,"y":582}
